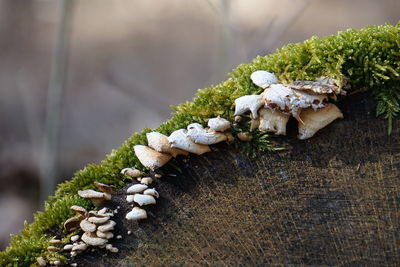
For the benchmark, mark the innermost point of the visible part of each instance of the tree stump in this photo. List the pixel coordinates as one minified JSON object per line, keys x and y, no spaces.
{"x":331,"y":200}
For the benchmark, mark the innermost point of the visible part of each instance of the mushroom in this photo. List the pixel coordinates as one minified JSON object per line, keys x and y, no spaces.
{"x":322,"y":85}
{"x":248,"y":102}
{"x":136,"y":188}
{"x":132,"y":172}
{"x":92,"y":240}
{"x":199,"y":135}
{"x":129,"y":198}
{"x":254,"y":123}
{"x":159,"y":142}
{"x":79,"y":247}
{"x":179,"y":139}
{"x":79,"y":210}
{"x":72,"y":223}
{"x":151,"y":192}
{"x":136,"y":214}
{"x":263,"y":78}
{"x":150,"y":158}
{"x":314,"y":120}
{"x":244,"y":136}
{"x":97,"y":198}
{"x":146,"y":180}
{"x":87,"y":226}
{"x":110,"y":248}
{"x":219,"y":124}
{"x":273,"y":121}
{"x":68,"y":247}
{"x":107,"y":226}
{"x":74,"y":238}
{"x":144,"y":199}
{"x":41,"y":261}
{"x":107,"y":235}
{"x":98,"y":220}
{"x":107,"y":189}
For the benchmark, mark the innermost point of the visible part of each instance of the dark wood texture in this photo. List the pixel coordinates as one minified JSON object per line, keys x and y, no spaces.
{"x":331,"y":200}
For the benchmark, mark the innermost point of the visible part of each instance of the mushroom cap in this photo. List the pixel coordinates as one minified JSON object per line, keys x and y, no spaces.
{"x":72,"y":223}
{"x":79,"y":210}
{"x":136,"y":214}
{"x":89,"y":193}
{"x":136,"y":188}
{"x":151,"y":192}
{"x":199,"y":135}
{"x":79,"y":247}
{"x":159,"y":142}
{"x":322,"y":85}
{"x":107,"y":235}
{"x":150,"y":158}
{"x":179,"y":139}
{"x":107,"y":226}
{"x":98,"y":220}
{"x":273,"y":121}
{"x":132,"y":172}
{"x":68,"y":247}
{"x":129,"y":198}
{"x":248,"y":102}
{"x":87,"y":226}
{"x":109,"y":189}
{"x":146,"y":180}
{"x":314,"y":120}
{"x":93,"y":240}
{"x":144,"y":199}
{"x":263,"y":78}
{"x":75,"y":238}
{"x":219,"y":124}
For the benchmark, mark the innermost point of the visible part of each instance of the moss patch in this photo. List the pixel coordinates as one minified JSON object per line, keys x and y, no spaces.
{"x":370,"y":57}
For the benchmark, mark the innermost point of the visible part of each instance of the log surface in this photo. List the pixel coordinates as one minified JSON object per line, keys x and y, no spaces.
{"x":331,"y":200}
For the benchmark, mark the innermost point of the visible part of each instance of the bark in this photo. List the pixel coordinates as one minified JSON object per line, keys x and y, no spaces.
{"x":331,"y":200}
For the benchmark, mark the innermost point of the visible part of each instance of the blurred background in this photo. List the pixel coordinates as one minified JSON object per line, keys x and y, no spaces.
{"x":79,"y":77}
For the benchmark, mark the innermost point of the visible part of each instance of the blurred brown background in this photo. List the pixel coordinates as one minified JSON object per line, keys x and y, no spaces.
{"x":126,"y":62}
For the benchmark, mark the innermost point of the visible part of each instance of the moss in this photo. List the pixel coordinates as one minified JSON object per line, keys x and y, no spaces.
{"x":370,"y":57}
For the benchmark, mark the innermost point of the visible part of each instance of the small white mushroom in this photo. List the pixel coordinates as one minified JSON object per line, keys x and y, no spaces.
{"x":106,"y":235}
{"x":248,"y":102}
{"x":146,"y":180}
{"x":150,"y":158}
{"x":179,"y":139}
{"x":79,"y":210}
{"x":110,"y":248}
{"x":74,"y":264}
{"x":136,"y":188}
{"x":144,"y":199}
{"x":97,"y":198}
{"x":93,"y":240}
{"x":98,"y":220}
{"x":107,"y":226}
{"x":263,"y":78}
{"x":219,"y":124}
{"x":199,"y":135}
{"x":79,"y":247}
{"x":104,"y":212}
{"x":87,"y":226}
{"x":129,"y":198}
{"x":74,"y":238}
{"x":273,"y":121}
{"x":312,"y":121}
{"x":159,"y":142}
{"x":132,"y":172}
{"x":68,"y":247}
{"x":136,"y":214}
{"x":119,"y":236}
{"x":151,"y":192}
{"x":41,"y":261}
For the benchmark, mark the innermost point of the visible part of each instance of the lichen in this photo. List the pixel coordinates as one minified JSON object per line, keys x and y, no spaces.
{"x":369,"y":57}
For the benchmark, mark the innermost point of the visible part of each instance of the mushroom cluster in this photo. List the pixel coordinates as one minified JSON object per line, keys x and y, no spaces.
{"x":97,"y":227}
{"x":306,"y":101}
{"x":195,"y":139}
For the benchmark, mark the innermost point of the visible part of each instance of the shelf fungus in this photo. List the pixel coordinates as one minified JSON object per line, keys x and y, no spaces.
{"x":132,"y":172}
{"x":219,"y":124}
{"x":263,"y":78}
{"x":273,"y":121}
{"x":179,"y":139}
{"x":151,"y":158}
{"x":136,"y":214}
{"x":250,"y":103}
{"x":159,"y":142}
{"x":96,"y":197}
{"x":199,"y":135}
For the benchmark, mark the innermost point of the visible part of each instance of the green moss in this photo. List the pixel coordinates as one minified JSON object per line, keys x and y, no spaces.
{"x":369,"y":57}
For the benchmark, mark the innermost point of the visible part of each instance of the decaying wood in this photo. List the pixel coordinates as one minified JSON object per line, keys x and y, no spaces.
{"x":331,"y":200}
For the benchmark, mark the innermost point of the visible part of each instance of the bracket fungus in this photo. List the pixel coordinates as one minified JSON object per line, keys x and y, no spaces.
{"x":144,"y":199}
{"x":218,"y":124}
{"x":132,"y":172}
{"x":159,"y":142}
{"x":151,"y":158}
{"x":179,"y":139}
{"x":263,"y":78}
{"x":136,"y":188}
{"x":136,"y":214}
{"x":199,"y":135}
{"x":96,"y":197}
{"x":273,"y":121}
{"x":248,"y":102}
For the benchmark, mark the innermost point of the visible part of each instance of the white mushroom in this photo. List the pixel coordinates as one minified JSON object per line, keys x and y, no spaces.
{"x":106,"y":235}
{"x":199,"y":135}
{"x":219,"y":124}
{"x":136,"y":214}
{"x":179,"y":139}
{"x":68,"y":247}
{"x":312,"y":121}
{"x":151,"y":192}
{"x":97,"y":198}
{"x":273,"y":121}
{"x":98,"y":220}
{"x":150,"y":158}
{"x":107,"y":226}
{"x":159,"y":142}
{"x":93,"y":240}
{"x":132,"y":172}
{"x":144,"y":199}
{"x":146,"y":180}
{"x":136,"y":188}
{"x":129,"y":198}
{"x":87,"y":226}
{"x":263,"y":78}
{"x":41,"y":261}
{"x":248,"y":102}
{"x":79,"y":210}
{"x":74,"y":238}
{"x":110,"y":248}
